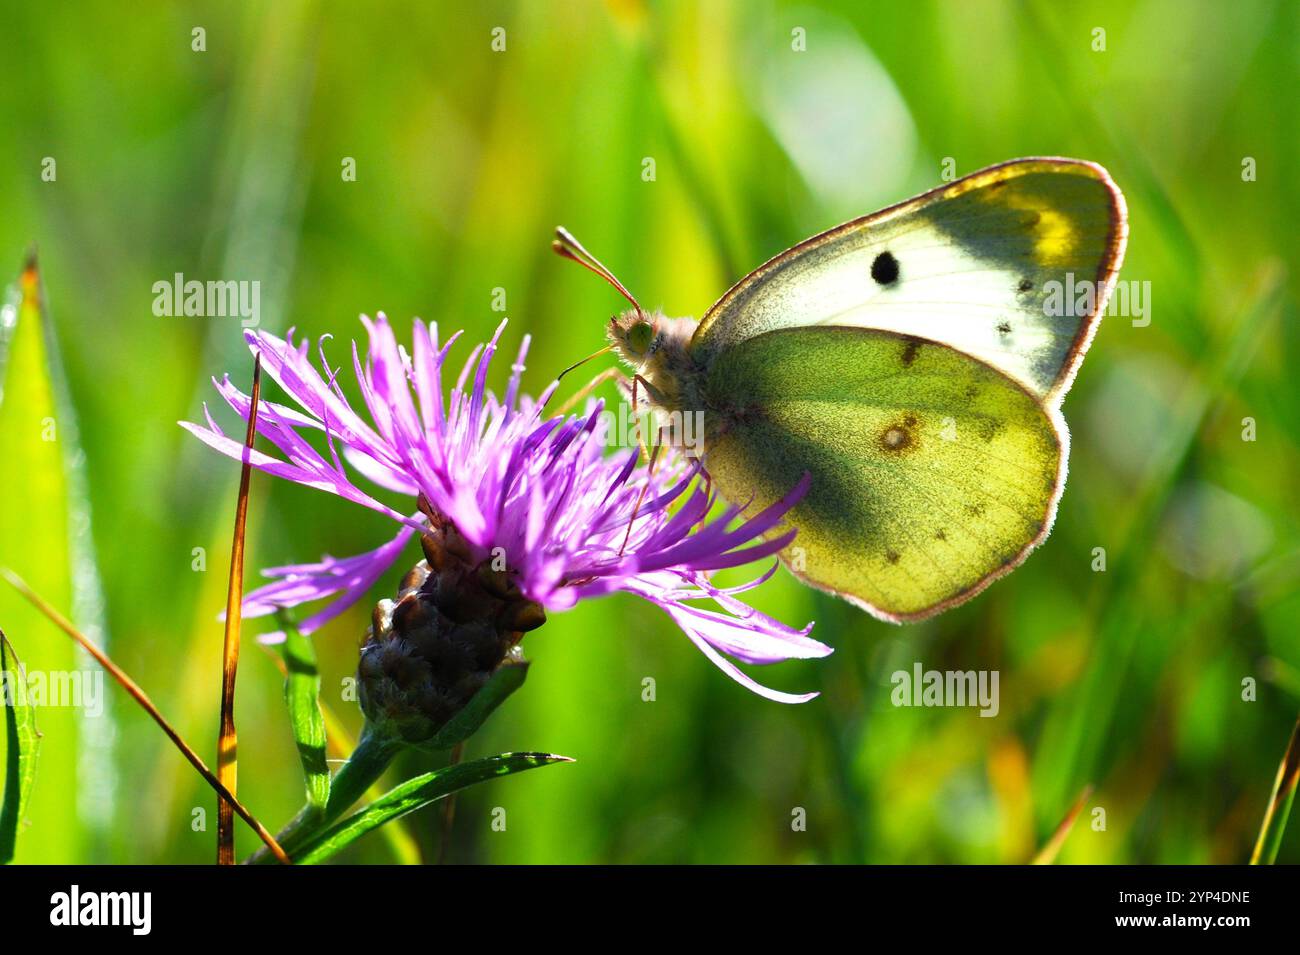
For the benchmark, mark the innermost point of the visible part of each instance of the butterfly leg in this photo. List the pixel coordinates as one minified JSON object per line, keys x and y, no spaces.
{"x":654,"y":456}
{"x":640,"y":439}
{"x":629,"y":384}
{"x":657,"y":399}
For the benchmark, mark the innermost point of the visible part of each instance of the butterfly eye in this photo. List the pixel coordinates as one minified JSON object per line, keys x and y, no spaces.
{"x":640,"y":335}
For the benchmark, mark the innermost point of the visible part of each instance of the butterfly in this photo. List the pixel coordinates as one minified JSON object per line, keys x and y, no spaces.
{"x":911,"y":364}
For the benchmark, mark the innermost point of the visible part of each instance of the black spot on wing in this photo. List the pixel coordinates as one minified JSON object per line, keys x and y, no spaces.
{"x":884,"y":269}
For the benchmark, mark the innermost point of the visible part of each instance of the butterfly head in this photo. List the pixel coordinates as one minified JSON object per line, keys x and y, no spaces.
{"x":634,"y":335}
{"x":655,"y":346}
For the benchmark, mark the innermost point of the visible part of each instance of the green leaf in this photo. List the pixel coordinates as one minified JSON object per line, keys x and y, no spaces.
{"x":415,"y":794}
{"x":38,"y":523}
{"x":302,"y":693}
{"x":21,"y":743}
{"x":508,"y":678}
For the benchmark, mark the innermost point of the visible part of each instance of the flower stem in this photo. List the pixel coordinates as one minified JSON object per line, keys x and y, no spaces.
{"x":449,"y":808}
{"x":375,"y":750}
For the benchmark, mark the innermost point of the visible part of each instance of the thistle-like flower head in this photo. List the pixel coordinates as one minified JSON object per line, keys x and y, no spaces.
{"x":533,"y":498}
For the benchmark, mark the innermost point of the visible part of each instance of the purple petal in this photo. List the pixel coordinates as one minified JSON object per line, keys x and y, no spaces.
{"x":304,"y":583}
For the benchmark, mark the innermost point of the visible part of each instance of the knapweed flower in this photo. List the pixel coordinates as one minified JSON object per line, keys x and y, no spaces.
{"x":534,"y":502}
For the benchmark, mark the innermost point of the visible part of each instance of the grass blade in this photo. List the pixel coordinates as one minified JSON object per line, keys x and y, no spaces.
{"x":21,"y":743}
{"x":302,"y":694}
{"x":146,"y":704}
{"x":37,"y":526}
{"x":1047,"y":855}
{"x":1279,"y":804}
{"x":228,"y":741}
{"x":415,"y":794}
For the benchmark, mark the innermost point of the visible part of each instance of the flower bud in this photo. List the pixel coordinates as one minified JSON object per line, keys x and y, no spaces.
{"x":451,"y":627}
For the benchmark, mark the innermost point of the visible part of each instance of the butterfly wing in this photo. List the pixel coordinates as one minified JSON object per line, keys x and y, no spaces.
{"x":984,"y":264}
{"x":932,"y":472}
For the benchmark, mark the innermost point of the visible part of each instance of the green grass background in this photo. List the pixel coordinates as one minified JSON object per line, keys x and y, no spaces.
{"x":226,"y":164}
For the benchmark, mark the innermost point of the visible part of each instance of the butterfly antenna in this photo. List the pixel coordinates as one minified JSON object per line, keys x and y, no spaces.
{"x":566,"y":246}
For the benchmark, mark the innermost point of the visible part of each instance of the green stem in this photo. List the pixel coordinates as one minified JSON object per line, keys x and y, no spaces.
{"x":375,"y":750}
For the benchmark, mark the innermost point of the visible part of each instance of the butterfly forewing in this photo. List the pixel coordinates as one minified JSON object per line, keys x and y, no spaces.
{"x":1012,"y":265}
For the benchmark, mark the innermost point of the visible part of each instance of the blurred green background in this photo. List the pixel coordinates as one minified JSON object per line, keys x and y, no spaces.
{"x":226,"y":164}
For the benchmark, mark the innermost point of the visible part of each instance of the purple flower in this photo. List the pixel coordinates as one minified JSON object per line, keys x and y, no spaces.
{"x":538,"y":493}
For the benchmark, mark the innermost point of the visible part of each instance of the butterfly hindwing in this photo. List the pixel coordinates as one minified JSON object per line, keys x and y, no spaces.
{"x":997,"y":265}
{"x":932,"y":472}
